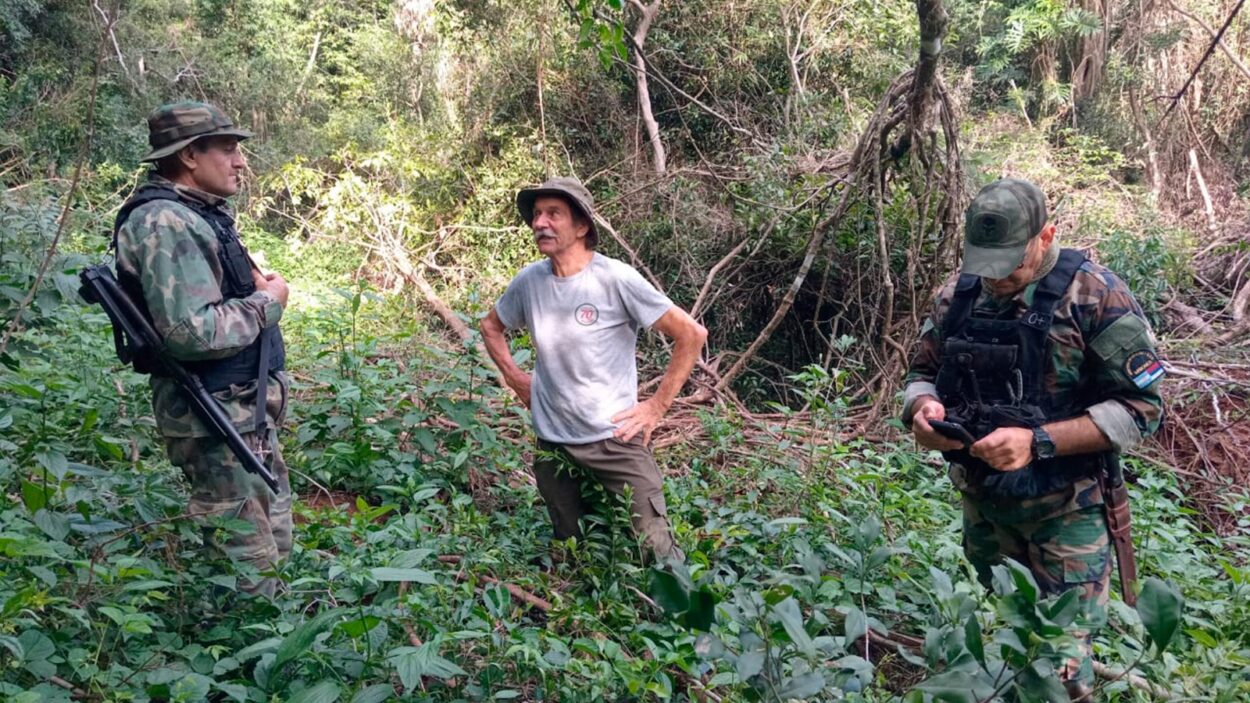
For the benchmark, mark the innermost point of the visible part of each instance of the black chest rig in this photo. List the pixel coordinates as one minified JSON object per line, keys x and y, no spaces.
{"x":264,"y":355}
{"x":992,"y":375}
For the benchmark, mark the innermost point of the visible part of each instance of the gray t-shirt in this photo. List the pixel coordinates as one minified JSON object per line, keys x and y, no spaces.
{"x":585,"y":330}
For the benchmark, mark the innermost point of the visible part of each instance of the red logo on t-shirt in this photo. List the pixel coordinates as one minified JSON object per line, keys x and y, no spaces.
{"x":586,"y":314}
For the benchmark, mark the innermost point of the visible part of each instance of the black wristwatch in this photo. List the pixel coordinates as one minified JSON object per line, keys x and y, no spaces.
{"x":1043,"y":445}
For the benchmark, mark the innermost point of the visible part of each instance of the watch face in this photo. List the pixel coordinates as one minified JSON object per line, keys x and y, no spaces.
{"x":1043,"y":445}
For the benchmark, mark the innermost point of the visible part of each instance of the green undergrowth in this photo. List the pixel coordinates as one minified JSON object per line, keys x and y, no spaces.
{"x":795,"y":548}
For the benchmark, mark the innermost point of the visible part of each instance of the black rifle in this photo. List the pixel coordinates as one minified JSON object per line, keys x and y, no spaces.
{"x":135,"y":338}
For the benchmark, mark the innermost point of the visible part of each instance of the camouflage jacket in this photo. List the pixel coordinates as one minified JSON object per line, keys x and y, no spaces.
{"x":1101,"y":348}
{"x":173,"y":253}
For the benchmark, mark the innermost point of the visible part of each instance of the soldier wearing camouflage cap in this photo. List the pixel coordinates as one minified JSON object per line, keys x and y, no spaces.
{"x":583,"y":311}
{"x":1045,"y":359}
{"x":180,"y":259}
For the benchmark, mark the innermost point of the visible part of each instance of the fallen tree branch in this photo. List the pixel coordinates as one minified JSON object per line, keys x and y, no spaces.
{"x":1106,"y":673}
{"x":517,"y":592}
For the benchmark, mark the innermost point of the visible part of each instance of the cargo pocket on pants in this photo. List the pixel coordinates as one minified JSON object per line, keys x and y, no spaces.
{"x":660,"y":506}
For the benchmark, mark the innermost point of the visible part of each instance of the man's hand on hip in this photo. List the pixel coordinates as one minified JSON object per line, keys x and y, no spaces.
{"x":643,"y":417}
{"x":930,"y":408}
{"x":1006,"y":448}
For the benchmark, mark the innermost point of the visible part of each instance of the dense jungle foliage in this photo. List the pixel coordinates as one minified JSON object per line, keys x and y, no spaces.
{"x":823,"y":548}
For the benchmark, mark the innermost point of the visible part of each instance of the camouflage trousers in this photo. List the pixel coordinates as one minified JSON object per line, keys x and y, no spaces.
{"x":614,"y":464}
{"x":1062,"y":539}
{"x":220,"y":486}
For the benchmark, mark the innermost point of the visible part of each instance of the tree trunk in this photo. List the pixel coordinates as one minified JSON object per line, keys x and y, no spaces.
{"x":648,"y":15}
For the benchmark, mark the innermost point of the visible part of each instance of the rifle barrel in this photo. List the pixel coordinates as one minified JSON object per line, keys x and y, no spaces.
{"x":99,"y":286}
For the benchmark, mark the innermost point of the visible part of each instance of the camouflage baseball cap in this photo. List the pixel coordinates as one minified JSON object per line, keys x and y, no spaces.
{"x":175,"y":125}
{"x":568,"y":188}
{"x":1001,"y":220}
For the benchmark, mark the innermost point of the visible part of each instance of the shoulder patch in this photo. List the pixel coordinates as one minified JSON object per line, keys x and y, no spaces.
{"x":1143,"y":367}
{"x":1123,"y":335}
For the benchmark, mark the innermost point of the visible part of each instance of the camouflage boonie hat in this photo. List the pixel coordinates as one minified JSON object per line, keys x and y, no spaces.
{"x":175,"y":125}
{"x":565,"y":187}
{"x":1001,"y":220}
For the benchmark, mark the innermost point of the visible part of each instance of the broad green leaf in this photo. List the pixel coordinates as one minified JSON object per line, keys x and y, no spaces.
{"x":785,"y":522}
{"x":376,"y":693}
{"x":36,"y":650}
{"x":1038,"y":682}
{"x":668,"y":592}
{"x":1202,"y":637}
{"x":879,"y":556}
{"x":326,"y":691}
{"x":190,"y":687}
{"x":941,"y":584}
{"x":226,"y":581}
{"x":35,"y":496}
{"x":53,"y":524}
{"x":856,"y":625}
{"x":749,"y":664}
{"x":54,"y":462}
{"x":237,"y":692}
{"x":387,"y":573}
{"x":1026,"y":585}
{"x":868,"y":531}
{"x":1160,"y":605}
{"x":801,"y":687}
{"x":414,"y":662}
{"x":791,"y":618}
{"x":359,"y":626}
{"x":13,"y":645}
{"x":972,"y":639}
{"x":957,"y":687}
{"x":709,"y":646}
{"x":1065,"y":609}
{"x":97,"y":527}
{"x":301,"y":638}
{"x":44,"y":574}
{"x":702,"y":610}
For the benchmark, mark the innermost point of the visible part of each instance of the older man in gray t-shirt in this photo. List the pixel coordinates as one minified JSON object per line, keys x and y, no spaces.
{"x":583,"y":311}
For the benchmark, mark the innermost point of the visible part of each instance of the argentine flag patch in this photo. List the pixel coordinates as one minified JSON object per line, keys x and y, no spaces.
{"x":1143,"y":368}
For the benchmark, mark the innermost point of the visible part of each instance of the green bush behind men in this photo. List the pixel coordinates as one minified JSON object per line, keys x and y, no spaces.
{"x":1048,"y":360}
{"x":180,"y":259}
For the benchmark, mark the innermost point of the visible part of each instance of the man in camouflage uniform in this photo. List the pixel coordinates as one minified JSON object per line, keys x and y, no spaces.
{"x":179,"y":257}
{"x":1049,"y":357}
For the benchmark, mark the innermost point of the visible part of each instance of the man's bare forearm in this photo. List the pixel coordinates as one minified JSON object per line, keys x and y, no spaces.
{"x":689,"y":337}
{"x":1078,"y":435}
{"x":497,"y":347}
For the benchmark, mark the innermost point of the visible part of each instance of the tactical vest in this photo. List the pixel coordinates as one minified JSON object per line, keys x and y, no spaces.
{"x":992,"y":374}
{"x":237,"y":282}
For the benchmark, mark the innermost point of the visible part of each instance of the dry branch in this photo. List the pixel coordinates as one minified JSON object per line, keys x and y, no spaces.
{"x":517,"y":592}
{"x":648,"y":14}
{"x":1215,"y":41}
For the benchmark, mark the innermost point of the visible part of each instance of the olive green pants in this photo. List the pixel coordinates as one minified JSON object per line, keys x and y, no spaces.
{"x":615,"y":465}
{"x":220,"y":486}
